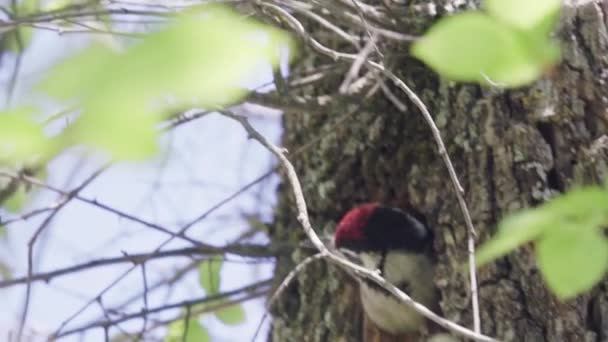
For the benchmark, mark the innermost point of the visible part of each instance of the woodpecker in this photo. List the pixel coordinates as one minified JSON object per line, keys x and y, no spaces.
{"x":398,"y":245}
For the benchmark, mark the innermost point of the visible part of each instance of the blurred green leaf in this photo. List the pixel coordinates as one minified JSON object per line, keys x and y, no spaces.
{"x":17,"y":200}
{"x":19,"y":39}
{"x":198,"y":60}
{"x":513,"y":231}
{"x":585,"y":207}
{"x":21,"y":137}
{"x":29,"y":6}
{"x":54,"y":5}
{"x":544,"y":51}
{"x":3,"y":232}
{"x":124,"y":130}
{"x":572,"y":259}
{"x":473,"y":47}
{"x":255,"y":223}
{"x":231,"y":315}
{"x":72,"y":78}
{"x":524,"y":14}
{"x":5,"y":271}
{"x":209,"y":275}
{"x":194,"y":332}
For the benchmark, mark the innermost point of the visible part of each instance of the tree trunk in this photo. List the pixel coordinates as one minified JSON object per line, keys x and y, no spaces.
{"x":512,"y":149}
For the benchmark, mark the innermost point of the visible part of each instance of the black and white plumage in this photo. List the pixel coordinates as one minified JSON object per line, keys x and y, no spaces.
{"x":398,"y":245}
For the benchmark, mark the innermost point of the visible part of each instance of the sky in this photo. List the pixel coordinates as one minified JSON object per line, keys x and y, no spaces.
{"x":200,"y":164}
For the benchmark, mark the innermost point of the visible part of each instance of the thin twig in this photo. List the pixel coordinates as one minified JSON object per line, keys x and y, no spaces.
{"x":145,"y":296}
{"x":67,"y":197}
{"x":162,"y":323}
{"x":366,"y":26}
{"x":106,"y":314}
{"x":183,"y":230}
{"x":96,"y":203}
{"x":18,"y":37}
{"x":304,"y":7}
{"x":284,"y":284}
{"x":257,"y":288}
{"x":41,"y":17}
{"x":30,"y":214}
{"x":168,"y":281}
{"x":247,"y":250}
{"x":355,"y":67}
{"x":186,"y":323}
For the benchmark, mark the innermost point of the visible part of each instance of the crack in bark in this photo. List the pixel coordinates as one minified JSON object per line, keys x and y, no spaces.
{"x":547,"y":131}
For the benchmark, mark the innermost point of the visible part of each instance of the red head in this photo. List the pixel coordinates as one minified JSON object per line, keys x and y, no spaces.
{"x":373,"y":227}
{"x":350,"y":228}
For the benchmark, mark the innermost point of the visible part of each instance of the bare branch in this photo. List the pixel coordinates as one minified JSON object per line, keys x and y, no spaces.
{"x":94,"y":202}
{"x":247,"y":250}
{"x":258,"y":288}
{"x":183,"y":230}
{"x":66,"y":198}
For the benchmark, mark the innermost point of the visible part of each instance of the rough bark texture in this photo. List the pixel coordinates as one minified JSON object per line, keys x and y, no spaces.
{"x":512,"y":149}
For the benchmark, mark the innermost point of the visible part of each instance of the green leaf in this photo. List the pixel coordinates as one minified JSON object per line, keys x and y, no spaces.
{"x":17,"y":200}
{"x":72,"y":78}
{"x":514,"y":231}
{"x":525,"y":14}
{"x":572,"y":259}
{"x":209,"y":275}
{"x":29,"y":6}
{"x":125,"y":130}
{"x":472,"y":47}
{"x":54,"y":5}
{"x":198,"y":60}
{"x":255,"y":223}
{"x":586,"y":207}
{"x":22,"y":193}
{"x":21,"y":137}
{"x":194,"y":332}
{"x":545,"y":51}
{"x":231,"y":315}
{"x":3,"y":232}
{"x":19,"y":39}
{"x":5,"y":271}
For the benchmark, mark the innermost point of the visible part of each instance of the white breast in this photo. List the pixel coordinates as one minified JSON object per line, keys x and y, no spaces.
{"x":386,"y":311}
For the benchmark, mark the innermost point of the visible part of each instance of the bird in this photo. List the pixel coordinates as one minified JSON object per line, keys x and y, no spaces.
{"x":397,"y":244}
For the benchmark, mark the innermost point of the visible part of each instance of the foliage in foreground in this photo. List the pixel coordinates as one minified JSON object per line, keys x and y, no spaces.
{"x":198,"y":59}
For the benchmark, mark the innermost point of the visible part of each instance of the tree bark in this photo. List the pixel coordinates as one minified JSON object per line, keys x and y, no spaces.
{"x":512,"y":149}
